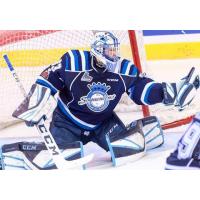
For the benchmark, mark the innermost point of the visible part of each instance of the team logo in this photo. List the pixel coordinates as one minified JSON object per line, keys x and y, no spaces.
{"x":97,"y":99}
{"x":86,"y":77}
{"x":45,"y":73}
{"x":53,"y":68}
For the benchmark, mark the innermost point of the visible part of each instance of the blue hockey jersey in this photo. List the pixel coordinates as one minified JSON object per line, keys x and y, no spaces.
{"x":87,"y":96}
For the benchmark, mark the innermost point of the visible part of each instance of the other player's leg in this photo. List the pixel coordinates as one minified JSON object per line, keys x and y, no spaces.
{"x":187,"y":153}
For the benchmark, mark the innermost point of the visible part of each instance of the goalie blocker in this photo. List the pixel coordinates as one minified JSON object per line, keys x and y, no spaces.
{"x":39,"y":104}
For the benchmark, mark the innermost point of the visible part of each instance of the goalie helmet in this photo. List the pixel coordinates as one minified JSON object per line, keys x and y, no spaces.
{"x":105,"y":48}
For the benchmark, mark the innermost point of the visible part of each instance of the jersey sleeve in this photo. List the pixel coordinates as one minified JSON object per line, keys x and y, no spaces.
{"x":52,"y":77}
{"x":127,"y":68}
{"x":145,"y":91}
{"x":141,"y":89}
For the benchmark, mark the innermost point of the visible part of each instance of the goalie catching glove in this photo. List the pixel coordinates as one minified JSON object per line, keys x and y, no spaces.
{"x":39,"y":104}
{"x":182,"y":93}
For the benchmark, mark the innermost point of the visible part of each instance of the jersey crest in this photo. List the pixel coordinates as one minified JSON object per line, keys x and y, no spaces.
{"x":97,"y":99}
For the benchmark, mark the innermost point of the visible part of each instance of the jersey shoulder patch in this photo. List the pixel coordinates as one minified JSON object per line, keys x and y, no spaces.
{"x":76,"y":60}
{"x":128,"y":68}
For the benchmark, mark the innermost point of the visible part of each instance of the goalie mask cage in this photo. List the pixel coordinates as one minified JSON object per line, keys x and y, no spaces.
{"x":31,"y":51}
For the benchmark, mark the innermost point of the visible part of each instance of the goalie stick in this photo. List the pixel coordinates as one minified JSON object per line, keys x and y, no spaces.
{"x":46,"y":135}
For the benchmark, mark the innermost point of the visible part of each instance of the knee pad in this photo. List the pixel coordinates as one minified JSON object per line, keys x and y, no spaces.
{"x":31,"y":156}
{"x":126,"y":146}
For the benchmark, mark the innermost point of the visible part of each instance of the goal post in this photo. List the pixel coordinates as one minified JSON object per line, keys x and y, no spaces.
{"x":134,"y":43}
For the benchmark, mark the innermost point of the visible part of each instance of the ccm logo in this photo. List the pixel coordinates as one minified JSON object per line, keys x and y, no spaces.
{"x":29,"y":147}
{"x":48,"y":139}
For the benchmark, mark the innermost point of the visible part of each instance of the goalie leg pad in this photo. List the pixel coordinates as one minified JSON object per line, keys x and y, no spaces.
{"x":127,"y":146}
{"x":153,"y":132}
{"x":31,"y":156}
{"x":12,"y":161}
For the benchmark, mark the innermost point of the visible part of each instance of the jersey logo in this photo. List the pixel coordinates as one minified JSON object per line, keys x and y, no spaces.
{"x":51,"y":68}
{"x":45,"y":73}
{"x":112,"y":79}
{"x":86,"y":77}
{"x":97,"y":99}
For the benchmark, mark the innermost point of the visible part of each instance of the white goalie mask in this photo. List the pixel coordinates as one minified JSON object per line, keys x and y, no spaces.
{"x":105,"y":48}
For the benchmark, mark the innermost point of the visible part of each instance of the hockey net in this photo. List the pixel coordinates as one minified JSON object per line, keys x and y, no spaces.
{"x":31,"y":51}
